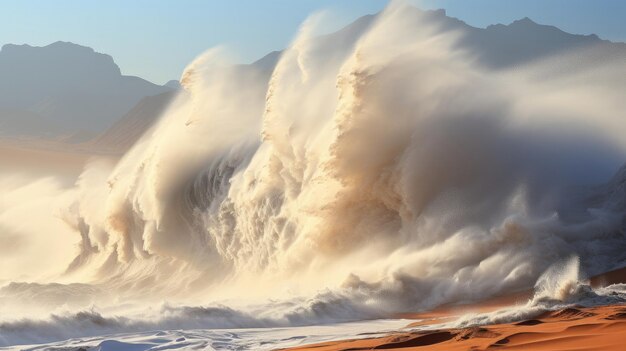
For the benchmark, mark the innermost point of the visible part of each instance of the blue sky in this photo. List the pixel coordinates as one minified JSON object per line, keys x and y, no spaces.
{"x":155,"y":39}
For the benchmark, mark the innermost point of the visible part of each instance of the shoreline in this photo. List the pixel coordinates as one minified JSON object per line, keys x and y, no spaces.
{"x":592,"y":328}
{"x":573,"y":328}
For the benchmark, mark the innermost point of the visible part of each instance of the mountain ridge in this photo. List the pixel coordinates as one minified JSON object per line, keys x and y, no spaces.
{"x":496,"y":46}
{"x":64,"y":87}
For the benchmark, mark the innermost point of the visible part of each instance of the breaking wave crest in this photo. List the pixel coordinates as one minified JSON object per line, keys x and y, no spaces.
{"x":560,"y":287}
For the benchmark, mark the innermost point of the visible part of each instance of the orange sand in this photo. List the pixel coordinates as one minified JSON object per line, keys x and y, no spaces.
{"x":597,"y":328}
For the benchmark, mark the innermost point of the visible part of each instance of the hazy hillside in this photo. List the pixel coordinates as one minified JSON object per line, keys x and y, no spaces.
{"x":64,"y":88}
{"x":126,"y":131}
{"x":496,"y":46}
{"x":70,"y":90}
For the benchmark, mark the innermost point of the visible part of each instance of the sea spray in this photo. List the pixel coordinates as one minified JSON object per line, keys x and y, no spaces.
{"x":559,"y":287}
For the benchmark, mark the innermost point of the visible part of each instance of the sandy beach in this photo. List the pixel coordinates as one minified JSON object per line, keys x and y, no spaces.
{"x":597,"y":328}
{"x":573,"y":328}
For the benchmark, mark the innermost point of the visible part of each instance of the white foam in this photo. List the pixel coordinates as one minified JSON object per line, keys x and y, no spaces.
{"x":228,"y":339}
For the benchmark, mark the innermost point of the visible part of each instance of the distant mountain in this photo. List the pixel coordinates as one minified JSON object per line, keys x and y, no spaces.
{"x":520,"y":42}
{"x":127,"y":130}
{"x":174,"y":84}
{"x":496,"y":47}
{"x":70,"y":89}
{"x":64,"y":88}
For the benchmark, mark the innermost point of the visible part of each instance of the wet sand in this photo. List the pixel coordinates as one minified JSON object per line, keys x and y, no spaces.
{"x":597,"y":328}
{"x":577,"y":328}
